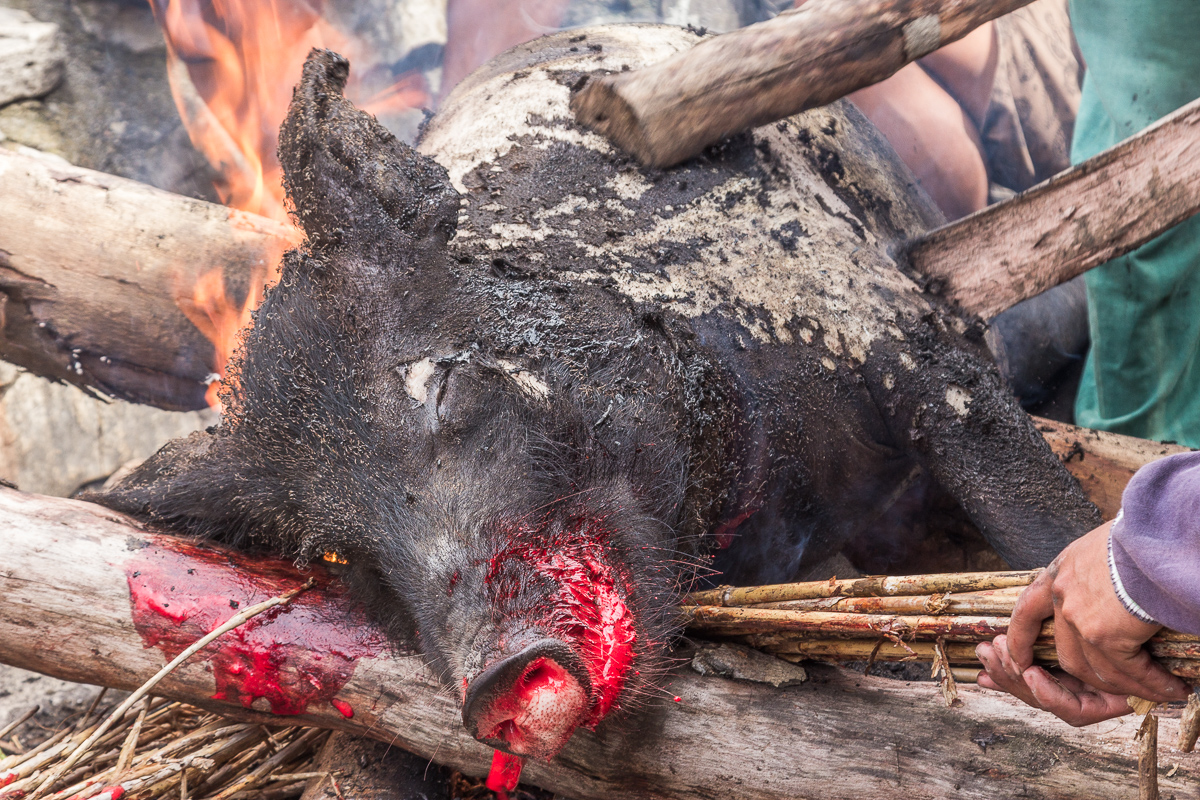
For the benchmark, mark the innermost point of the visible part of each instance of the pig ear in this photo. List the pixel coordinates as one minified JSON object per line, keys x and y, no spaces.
{"x":190,"y":486}
{"x":346,"y":174}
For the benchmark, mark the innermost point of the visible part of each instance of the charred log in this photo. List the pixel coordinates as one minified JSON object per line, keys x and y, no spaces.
{"x":68,"y":611}
{"x":97,"y":277}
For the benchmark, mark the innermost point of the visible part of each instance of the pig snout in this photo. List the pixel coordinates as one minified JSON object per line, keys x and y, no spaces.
{"x":530,"y":703}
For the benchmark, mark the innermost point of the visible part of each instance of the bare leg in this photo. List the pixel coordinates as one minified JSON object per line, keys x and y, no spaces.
{"x":479,"y":29}
{"x":933,"y":135}
{"x":967,"y":69}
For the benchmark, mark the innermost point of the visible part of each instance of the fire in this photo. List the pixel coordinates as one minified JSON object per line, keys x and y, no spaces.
{"x":232,"y":65}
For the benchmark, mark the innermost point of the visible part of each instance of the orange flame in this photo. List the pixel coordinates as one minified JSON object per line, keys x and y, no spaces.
{"x":232,"y":65}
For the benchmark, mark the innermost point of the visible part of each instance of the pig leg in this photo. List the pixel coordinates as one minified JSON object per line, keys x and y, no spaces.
{"x":957,"y":418}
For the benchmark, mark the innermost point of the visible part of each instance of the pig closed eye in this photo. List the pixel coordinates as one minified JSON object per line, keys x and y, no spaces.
{"x":463,"y":398}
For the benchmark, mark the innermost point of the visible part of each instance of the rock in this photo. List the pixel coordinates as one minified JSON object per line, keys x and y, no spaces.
{"x":29,"y":123}
{"x":56,"y":438}
{"x":743,"y":664}
{"x":31,"y":56}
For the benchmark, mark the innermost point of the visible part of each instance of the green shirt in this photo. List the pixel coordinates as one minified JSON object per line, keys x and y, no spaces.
{"x":1142,"y":374}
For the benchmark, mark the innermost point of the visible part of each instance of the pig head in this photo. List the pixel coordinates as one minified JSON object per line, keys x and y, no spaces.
{"x":387,"y":405}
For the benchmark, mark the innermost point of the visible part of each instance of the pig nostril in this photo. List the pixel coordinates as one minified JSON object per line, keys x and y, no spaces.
{"x":530,"y":702}
{"x":506,"y":731}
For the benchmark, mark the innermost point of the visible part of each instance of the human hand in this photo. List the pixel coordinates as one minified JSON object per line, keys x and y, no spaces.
{"x":1099,"y":643}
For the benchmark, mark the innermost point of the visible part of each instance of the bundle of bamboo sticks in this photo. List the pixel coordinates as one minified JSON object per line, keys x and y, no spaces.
{"x":160,"y":748}
{"x":924,"y":618}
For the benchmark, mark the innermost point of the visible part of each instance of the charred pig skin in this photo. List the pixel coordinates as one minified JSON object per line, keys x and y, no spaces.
{"x":529,"y":390}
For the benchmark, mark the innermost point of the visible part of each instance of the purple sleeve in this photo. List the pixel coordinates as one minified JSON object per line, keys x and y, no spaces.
{"x":1154,"y":552}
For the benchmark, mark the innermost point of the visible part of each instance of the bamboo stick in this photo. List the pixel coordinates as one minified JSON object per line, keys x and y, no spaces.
{"x":875,"y":586}
{"x":833,"y":624}
{"x":996,"y":602}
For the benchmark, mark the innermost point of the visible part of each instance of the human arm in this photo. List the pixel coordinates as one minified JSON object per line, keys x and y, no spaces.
{"x":1104,"y":610}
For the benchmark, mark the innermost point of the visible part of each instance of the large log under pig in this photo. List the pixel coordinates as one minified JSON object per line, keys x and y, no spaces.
{"x":89,"y":595}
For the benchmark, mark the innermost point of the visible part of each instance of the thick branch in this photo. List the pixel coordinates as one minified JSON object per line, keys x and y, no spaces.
{"x":668,"y":112}
{"x":91,"y":266}
{"x":67,"y":611}
{"x":1077,"y":220}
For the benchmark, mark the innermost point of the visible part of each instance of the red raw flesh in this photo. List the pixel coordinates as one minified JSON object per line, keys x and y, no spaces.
{"x":343,"y":708}
{"x":293,"y":655}
{"x":588,"y":610}
{"x":504,"y":774}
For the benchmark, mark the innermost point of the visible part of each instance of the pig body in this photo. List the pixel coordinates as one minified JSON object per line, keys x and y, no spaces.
{"x":529,"y":390}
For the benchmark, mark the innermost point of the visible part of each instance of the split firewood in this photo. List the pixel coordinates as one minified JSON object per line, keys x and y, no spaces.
{"x":86,"y":595}
{"x":1189,"y":725}
{"x":804,"y":58}
{"x":1079,"y":219}
{"x":1102,"y":462}
{"x":98,"y":278}
{"x":1148,"y":758}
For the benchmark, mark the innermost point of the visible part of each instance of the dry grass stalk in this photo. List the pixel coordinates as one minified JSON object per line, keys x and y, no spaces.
{"x":180,"y":751}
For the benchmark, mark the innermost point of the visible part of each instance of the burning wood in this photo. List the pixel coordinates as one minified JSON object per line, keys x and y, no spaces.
{"x":97,"y":278}
{"x":68,"y":611}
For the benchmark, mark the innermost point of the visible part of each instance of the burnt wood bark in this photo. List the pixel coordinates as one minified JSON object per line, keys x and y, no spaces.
{"x":94,"y":269}
{"x":1077,"y":220}
{"x":804,"y":58}
{"x":66,"y":611}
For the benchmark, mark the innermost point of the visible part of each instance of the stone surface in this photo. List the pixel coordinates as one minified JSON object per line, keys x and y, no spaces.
{"x":31,"y":56}
{"x":55,"y":438}
{"x":113,"y":109}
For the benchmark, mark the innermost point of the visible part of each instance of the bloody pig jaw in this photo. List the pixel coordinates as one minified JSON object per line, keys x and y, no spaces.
{"x":587,"y":611}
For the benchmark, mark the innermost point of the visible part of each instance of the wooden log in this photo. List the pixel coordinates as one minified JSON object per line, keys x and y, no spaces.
{"x":1102,"y":462}
{"x":66,"y":610}
{"x":1077,"y":220}
{"x":93,"y":269}
{"x":668,"y":112}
